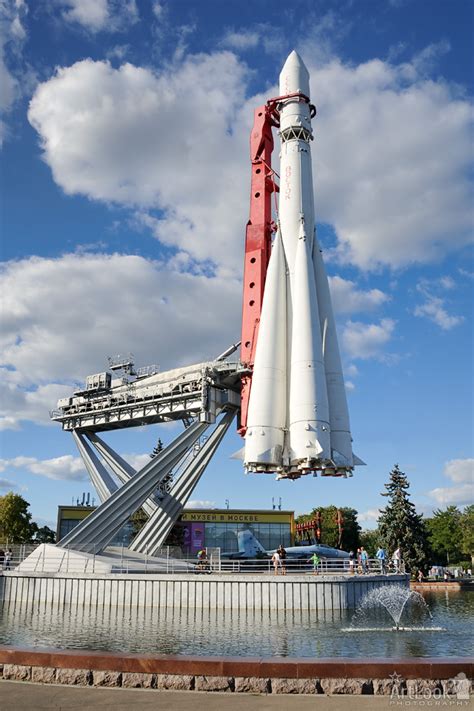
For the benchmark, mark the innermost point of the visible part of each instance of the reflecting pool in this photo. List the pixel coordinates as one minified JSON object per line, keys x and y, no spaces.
{"x":287,"y":634}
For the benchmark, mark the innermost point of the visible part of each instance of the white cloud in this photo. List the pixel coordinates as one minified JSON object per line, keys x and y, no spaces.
{"x":347,"y":298}
{"x":100,"y":15}
{"x":62,"y":317}
{"x":267,"y":37}
{"x":434,"y":307}
{"x":137,"y":461}
{"x":368,"y":516}
{"x":447,"y":283}
{"x":18,"y":404}
{"x":199,"y":504}
{"x":45,"y":522}
{"x":366,"y":340}
{"x":188,"y":167}
{"x":382,"y":181}
{"x":460,"y":470}
{"x":351,"y":370}
{"x":12,"y":35}
{"x":9,"y":423}
{"x":66,"y":467}
{"x":7,"y":485}
{"x":241,"y":40}
{"x":158,"y":9}
{"x":462,"y":495}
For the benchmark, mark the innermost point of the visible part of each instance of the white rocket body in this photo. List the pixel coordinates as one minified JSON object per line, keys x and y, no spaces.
{"x":298,"y":420}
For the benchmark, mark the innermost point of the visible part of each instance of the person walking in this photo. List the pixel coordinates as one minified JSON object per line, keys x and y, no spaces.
{"x":202,"y":559}
{"x":351,"y":562}
{"x":382,"y":557}
{"x":315,"y":561}
{"x":282,"y":554}
{"x":276,"y":561}
{"x":397,"y":559}
{"x":364,"y":560}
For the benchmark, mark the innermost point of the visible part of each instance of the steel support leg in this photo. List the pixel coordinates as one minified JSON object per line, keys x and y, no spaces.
{"x":98,"y":529}
{"x":101,"y":479}
{"x":122,"y":469}
{"x":153,"y":534}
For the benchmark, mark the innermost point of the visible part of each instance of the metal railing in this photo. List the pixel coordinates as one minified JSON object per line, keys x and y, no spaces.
{"x":168,"y":561}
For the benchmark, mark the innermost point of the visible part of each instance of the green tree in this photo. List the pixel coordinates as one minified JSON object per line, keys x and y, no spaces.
{"x":175,"y":536}
{"x":44,"y":535}
{"x":445,"y":535}
{"x":400,"y":525}
{"x":157,"y":449}
{"x":329,"y":526}
{"x":467,"y":528}
{"x":15,"y":520}
{"x":138,"y":520}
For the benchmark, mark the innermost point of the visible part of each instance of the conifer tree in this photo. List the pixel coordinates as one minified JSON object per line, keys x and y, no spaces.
{"x":157,"y":449}
{"x":400,"y":525}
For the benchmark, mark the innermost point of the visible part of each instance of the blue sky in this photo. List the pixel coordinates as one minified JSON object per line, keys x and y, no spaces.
{"x":125,"y":184}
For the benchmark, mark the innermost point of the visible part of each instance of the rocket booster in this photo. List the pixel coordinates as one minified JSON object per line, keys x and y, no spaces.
{"x":298,"y":420}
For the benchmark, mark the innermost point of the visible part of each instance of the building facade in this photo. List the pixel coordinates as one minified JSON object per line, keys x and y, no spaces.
{"x":208,"y":528}
{"x":219,"y":528}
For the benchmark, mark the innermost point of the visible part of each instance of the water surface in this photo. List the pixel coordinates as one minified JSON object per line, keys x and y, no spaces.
{"x":286,"y":634}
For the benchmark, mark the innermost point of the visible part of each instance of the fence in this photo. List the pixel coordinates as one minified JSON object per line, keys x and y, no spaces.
{"x":47,"y":559}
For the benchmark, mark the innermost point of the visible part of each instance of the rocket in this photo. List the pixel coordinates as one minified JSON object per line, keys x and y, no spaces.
{"x":298,"y":419}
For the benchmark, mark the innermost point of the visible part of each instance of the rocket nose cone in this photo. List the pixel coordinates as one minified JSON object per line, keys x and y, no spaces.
{"x":294,"y":76}
{"x":294,"y":59}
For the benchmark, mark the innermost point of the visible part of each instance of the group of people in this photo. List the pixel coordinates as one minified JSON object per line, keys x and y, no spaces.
{"x":361,"y":559}
{"x":438,"y":571}
{"x":5,"y":559}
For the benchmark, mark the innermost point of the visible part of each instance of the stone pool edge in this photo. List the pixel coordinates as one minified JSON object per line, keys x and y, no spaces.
{"x":416,"y":675}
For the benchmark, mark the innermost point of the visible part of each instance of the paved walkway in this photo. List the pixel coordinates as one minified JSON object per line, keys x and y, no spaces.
{"x":18,"y":696}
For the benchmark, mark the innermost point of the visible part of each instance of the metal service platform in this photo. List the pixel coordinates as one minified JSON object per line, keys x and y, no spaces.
{"x":205,"y":397}
{"x":146,"y":397}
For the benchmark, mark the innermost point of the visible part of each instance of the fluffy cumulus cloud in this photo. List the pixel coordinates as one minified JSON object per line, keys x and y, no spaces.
{"x":393,"y":196}
{"x":99,"y":15}
{"x":347,"y":298}
{"x":367,"y":340}
{"x":63,"y":316}
{"x":461,"y":472}
{"x":66,"y":467}
{"x":19,"y":404}
{"x":178,"y":147}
